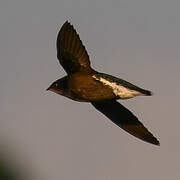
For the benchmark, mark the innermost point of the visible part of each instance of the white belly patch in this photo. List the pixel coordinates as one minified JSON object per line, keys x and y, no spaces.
{"x":118,"y":90}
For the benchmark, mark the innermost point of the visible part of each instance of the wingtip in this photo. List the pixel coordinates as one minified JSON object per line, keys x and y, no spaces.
{"x":67,"y":22}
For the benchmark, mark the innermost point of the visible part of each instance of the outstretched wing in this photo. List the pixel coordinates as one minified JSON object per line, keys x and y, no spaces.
{"x":125,"y":119}
{"x":71,"y":52}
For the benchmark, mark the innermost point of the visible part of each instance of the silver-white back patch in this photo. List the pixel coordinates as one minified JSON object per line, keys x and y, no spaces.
{"x":118,"y":90}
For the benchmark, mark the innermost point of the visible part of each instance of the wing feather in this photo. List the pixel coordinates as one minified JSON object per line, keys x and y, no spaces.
{"x":71,"y":52}
{"x":125,"y":119}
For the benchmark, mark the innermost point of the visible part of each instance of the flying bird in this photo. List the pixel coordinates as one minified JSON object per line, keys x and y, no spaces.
{"x":82,"y":83}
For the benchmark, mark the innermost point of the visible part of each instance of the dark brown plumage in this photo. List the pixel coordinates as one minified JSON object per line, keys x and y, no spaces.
{"x":82,"y":83}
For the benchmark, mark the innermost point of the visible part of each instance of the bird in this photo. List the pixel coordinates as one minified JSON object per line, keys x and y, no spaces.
{"x":84,"y":84}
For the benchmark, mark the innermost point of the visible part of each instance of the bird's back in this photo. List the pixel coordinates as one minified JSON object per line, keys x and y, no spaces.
{"x":120,"y":87}
{"x":89,"y":89}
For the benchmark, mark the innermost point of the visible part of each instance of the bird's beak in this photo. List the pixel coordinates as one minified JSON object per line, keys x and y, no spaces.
{"x":48,"y":89}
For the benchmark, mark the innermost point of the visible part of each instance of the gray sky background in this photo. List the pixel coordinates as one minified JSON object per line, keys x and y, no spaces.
{"x":55,"y":138}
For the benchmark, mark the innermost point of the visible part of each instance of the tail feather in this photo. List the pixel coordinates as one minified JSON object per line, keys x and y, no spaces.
{"x":121,"y":82}
{"x":146,"y":92}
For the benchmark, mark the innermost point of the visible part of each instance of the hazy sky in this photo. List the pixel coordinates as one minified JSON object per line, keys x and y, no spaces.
{"x":55,"y":138}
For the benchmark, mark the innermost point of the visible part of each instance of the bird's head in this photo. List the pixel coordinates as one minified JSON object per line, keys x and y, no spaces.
{"x":59,"y":86}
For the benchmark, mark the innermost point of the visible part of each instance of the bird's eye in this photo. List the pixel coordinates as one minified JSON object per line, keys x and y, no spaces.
{"x":56,"y":84}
